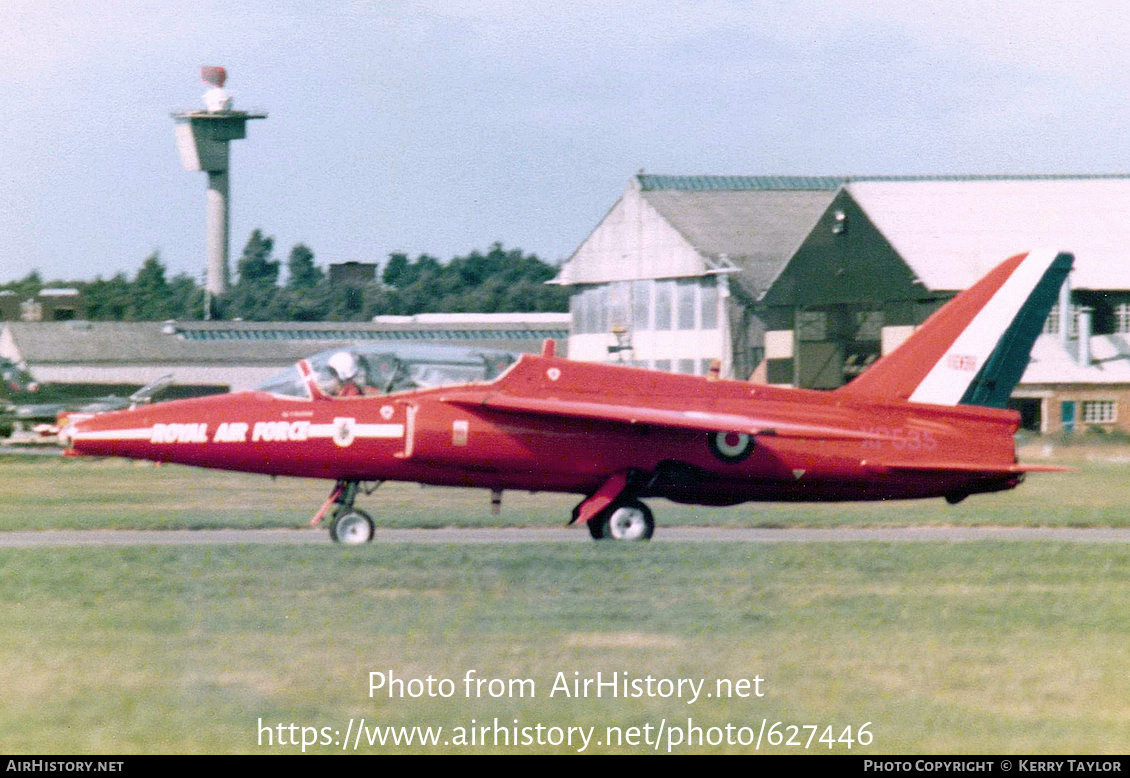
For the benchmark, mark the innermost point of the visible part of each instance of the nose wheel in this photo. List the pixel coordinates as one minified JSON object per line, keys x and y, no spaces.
{"x":352,"y":528}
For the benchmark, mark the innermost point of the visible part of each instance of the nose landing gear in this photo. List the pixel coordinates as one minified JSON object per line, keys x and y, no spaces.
{"x":349,"y":525}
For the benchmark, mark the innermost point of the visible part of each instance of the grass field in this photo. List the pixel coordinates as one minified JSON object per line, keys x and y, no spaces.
{"x":969,"y":648}
{"x":942,"y":648}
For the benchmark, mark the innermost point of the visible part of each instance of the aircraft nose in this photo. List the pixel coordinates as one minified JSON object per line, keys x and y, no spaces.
{"x":65,"y":435}
{"x":69,"y":424}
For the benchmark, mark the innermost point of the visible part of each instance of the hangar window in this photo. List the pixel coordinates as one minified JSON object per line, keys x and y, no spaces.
{"x":812,"y":325}
{"x":646,"y":305}
{"x":870,"y":325}
{"x":641,"y":305}
{"x":664,"y":292}
{"x":709,"y":292}
{"x":590,"y":310}
{"x":686,"y":294}
{"x":596,"y":309}
{"x":1099,"y":411}
{"x":619,"y":304}
{"x":1051,"y":325}
{"x":1122,"y":317}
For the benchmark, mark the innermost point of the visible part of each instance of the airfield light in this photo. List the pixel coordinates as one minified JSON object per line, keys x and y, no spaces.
{"x":202,"y":138}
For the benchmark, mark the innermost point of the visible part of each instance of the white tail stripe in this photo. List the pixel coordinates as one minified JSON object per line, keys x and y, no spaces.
{"x":949,"y":379}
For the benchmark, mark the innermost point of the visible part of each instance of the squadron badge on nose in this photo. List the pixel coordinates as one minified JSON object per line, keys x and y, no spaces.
{"x":343,"y":431}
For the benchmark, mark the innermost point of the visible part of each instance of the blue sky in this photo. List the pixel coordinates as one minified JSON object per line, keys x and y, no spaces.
{"x":441,"y":127}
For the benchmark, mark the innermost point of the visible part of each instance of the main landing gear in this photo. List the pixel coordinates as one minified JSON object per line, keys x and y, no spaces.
{"x":613,"y":512}
{"x":348,"y":525}
{"x":626,"y":519}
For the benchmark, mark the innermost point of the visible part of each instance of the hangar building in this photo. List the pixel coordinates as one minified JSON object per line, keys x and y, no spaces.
{"x":224,"y":355}
{"x":670,"y":277}
{"x":816,"y":277}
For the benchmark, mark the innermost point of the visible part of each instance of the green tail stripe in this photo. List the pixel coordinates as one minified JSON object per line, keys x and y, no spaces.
{"x":1006,"y":364}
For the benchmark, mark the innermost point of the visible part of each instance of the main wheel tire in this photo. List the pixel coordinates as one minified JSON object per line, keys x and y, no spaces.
{"x":628,"y":520}
{"x":353,"y":528}
{"x":596,"y":527}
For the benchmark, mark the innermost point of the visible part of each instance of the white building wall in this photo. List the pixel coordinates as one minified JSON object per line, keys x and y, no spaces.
{"x":632,"y":242}
{"x":650,"y":347}
{"x":592,"y":347}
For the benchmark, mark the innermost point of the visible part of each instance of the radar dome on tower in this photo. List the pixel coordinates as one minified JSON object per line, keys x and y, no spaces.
{"x":216,"y":99}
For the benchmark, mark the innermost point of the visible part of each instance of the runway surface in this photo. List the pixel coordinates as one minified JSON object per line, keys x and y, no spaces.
{"x":559,"y":535}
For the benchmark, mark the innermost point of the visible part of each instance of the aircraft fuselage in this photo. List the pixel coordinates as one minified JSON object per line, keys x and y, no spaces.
{"x":455,"y":436}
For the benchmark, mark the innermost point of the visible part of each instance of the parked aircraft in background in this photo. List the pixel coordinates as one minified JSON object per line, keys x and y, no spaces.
{"x":927,"y":420}
{"x":26,"y":403}
{"x":76,"y":410}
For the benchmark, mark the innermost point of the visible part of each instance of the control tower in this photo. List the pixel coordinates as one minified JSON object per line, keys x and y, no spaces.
{"x":202,"y":142}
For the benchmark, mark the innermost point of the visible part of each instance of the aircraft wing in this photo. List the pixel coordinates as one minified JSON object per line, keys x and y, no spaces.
{"x":707,"y":421}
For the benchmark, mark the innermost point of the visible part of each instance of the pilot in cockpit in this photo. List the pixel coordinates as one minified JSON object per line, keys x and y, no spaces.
{"x":346,"y":369}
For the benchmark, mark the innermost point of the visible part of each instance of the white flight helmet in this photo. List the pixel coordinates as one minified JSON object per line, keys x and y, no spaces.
{"x":344,"y":365}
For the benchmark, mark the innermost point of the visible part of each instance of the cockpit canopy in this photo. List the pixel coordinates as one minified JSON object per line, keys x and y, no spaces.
{"x":382,"y":368}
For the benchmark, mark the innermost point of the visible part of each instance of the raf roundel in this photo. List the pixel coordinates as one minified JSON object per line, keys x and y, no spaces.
{"x":343,"y":431}
{"x":730,"y":446}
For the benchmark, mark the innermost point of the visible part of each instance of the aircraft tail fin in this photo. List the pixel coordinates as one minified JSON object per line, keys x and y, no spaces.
{"x":974,"y":349}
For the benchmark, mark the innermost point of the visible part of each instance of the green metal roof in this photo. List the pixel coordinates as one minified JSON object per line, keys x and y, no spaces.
{"x":651,"y":183}
{"x":404,"y":333}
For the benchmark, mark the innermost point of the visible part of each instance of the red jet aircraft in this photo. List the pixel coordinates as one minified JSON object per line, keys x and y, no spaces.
{"x":927,"y":420}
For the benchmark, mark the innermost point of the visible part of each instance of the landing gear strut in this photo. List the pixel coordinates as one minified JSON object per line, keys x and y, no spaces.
{"x":349,"y":525}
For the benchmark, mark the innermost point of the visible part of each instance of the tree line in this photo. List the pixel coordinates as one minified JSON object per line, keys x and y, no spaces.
{"x":498,"y":281}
